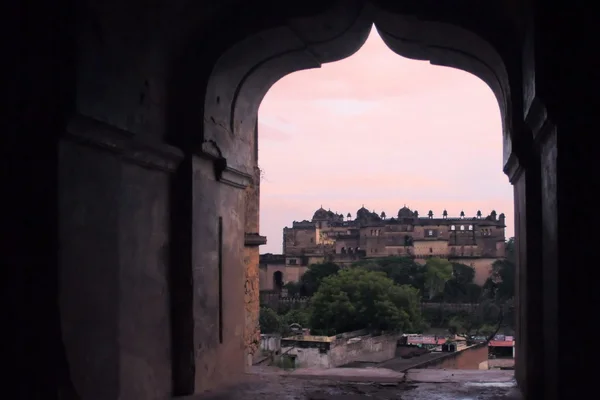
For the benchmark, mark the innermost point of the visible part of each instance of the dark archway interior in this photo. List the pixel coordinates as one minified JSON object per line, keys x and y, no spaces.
{"x":278,"y":280}
{"x":132,"y":181}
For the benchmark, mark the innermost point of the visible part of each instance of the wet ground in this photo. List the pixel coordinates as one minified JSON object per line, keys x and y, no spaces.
{"x":355,"y":384}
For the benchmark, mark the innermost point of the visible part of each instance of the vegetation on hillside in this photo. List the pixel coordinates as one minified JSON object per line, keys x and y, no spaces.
{"x":386,"y":294}
{"x":356,"y":298}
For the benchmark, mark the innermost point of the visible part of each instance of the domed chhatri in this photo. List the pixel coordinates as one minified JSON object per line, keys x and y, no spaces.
{"x":405,"y":212}
{"x":321,"y":214}
{"x":362,"y":212}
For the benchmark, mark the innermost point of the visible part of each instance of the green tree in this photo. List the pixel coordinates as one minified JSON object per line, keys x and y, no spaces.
{"x":460,"y":288}
{"x":503,"y":279}
{"x":485,"y":320}
{"x":462,"y":274}
{"x":501,"y":283}
{"x":294,"y":288}
{"x":269,"y":321}
{"x":402,"y":270}
{"x":510,"y":250}
{"x":357,"y":299}
{"x":437,"y":272}
{"x":298,"y":316}
{"x":312,"y":278}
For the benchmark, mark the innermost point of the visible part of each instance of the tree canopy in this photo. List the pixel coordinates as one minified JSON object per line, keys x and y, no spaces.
{"x":269,"y":321}
{"x":357,"y":298}
{"x":501,"y":284}
{"x":385,"y":294}
{"x":437,"y":272}
{"x":402,"y":270}
{"x":460,"y":288}
{"x":314,"y":275}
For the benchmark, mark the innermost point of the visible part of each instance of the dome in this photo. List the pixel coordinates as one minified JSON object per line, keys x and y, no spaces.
{"x":362,"y":213}
{"x":405,"y":212}
{"x":320,"y":214}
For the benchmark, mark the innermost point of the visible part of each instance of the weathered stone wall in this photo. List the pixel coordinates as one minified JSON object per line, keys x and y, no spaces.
{"x":217,"y":248}
{"x":346,"y":350}
{"x":298,"y":239}
{"x":251,"y":303}
{"x":114,"y":254}
{"x":364,"y":349}
{"x":251,"y":264}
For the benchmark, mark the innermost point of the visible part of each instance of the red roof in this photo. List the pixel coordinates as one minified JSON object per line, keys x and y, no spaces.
{"x":501,"y":343}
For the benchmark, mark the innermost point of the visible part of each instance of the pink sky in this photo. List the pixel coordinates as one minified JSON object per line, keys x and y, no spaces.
{"x":380,"y":130}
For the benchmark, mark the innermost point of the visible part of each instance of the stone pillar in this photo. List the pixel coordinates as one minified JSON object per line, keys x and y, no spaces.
{"x":114,"y":239}
{"x":218,"y":270}
{"x":524,"y":173}
{"x":252,"y":259}
{"x":561,"y":116}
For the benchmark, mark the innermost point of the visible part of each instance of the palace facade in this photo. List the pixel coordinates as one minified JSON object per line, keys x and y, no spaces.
{"x":475,"y":240}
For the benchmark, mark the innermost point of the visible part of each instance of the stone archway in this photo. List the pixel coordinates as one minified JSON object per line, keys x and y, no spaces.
{"x":184,"y":105}
{"x":244,"y":72}
{"x":89,"y":250}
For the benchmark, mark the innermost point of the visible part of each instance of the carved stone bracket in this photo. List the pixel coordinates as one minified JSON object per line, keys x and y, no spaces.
{"x":91,"y":132}
{"x":254,"y":239}
{"x":537,"y":126}
{"x":513,"y":168}
{"x":224,"y":173}
{"x":537,"y":121}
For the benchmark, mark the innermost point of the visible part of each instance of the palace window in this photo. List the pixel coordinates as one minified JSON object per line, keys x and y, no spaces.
{"x":462,"y":227}
{"x":453,"y":228}
{"x":470,"y":227}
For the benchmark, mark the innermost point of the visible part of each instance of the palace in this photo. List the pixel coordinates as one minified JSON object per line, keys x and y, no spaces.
{"x":472,"y":240}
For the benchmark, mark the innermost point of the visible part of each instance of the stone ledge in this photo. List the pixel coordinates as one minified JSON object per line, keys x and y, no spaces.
{"x":254,"y":239}
{"x":223,"y":172}
{"x":94,"y":133}
{"x":375,"y":375}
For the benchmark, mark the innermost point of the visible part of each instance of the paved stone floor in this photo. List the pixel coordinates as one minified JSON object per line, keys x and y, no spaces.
{"x":355,"y":384}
